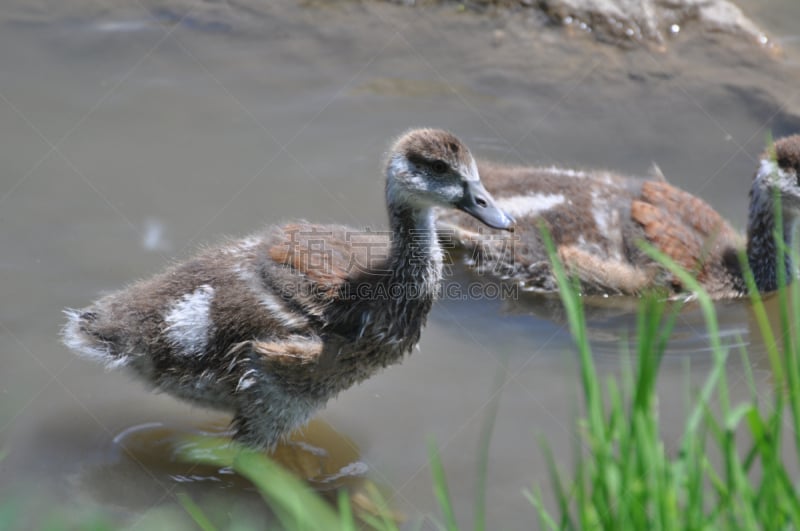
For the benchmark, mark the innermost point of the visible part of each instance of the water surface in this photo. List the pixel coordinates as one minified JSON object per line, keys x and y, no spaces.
{"x":129,"y":136}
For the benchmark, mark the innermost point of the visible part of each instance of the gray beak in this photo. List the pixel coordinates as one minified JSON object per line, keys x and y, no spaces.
{"x":479,"y":204}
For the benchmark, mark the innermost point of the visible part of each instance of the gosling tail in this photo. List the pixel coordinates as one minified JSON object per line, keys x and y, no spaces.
{"x":87,"y":336}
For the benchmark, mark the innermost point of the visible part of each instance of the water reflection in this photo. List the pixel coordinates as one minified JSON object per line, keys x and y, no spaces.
{"x":143,"y":466}
{"x":611,"y":320}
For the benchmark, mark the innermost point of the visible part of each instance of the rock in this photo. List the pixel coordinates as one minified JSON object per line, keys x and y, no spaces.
{"x":634,"y":21}
{"x":622,"y":22}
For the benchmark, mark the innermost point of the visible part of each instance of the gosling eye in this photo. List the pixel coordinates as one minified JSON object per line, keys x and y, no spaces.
{"x":439,"y":166}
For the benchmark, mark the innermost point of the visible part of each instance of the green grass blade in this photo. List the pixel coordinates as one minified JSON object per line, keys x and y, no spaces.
{"x":560,"y":492}
{"x":195,"y":512}
{"x":9,"y":514}
{"x":764,"y":326}
{"x":294,"y":503}
{"x":569,"y":293}
{"x":791,"y":355}
{"x":346,"y":512}
{"x":387,"y":522}
{"x":440,"y":487}
{"x":485,"y":442}
{"x":545,"y":520}
{"x":710,"y":317}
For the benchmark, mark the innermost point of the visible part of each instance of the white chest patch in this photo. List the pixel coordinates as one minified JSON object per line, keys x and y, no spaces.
{"x":189,"y":321}
{"x":521,"y":206}
{"x":766,"y":168}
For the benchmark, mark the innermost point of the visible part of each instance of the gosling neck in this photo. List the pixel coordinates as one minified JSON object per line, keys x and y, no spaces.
{"x":762,"y":250}
{"x":415,"y":259}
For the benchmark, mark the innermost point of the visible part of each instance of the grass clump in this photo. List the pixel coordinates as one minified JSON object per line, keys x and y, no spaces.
{"x":731,"y":469}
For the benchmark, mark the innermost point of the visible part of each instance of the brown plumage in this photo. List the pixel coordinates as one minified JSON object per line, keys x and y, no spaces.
{"x":597,"y":218}
{"x":273,"y":325}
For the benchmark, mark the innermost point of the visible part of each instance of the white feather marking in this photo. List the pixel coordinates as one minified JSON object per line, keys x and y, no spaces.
{"x":269,"y":301}
{"x":766,"y":169}
{"x":88,"y":347}
{"x":280,"y":312}
{"x":399,"y":165}
{"x":242,"y":246}
{"x":366,"y":319}
{"x":473,"y":172}
{"x":601,"y":219}
{"x":769,"y":177}
{"x":607,"y":221}
{"x":314,"y":450}
{"x":451,"y":193}
{"x":565,"y":172}
{"x":772,"y":177}
{"x":246,"y":381}
{"x":520,"y":206}
{"x":770,"y":173}
{"x":249,"y":243}
{"x":354,"y":469}
{"x":418,"y":182}
{"x":189,"y":321}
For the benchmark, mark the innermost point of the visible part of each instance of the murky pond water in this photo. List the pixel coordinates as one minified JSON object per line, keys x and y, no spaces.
{"x":131,"y":136}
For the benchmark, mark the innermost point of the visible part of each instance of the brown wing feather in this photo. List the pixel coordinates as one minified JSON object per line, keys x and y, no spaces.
{"x":330,"y":255}
{"x":287,"y":360}
{"x":293,"y":352}
{"x":692,"y":210}
{"x":683,"y":227}
{"x":668,"y":233}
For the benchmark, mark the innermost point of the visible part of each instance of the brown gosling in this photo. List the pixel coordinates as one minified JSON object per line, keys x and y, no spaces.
{"x":596,"y":220}
{"x":270,"y":327}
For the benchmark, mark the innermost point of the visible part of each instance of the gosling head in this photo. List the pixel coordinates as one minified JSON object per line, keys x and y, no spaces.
{"x":431,"y":167}
{"x":780,"y":172}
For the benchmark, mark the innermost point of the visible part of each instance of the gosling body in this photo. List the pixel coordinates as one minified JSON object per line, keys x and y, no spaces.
{"x":272,"y":326}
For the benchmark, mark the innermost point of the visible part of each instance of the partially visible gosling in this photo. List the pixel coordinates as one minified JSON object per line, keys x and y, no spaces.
{"x":597,"y":218}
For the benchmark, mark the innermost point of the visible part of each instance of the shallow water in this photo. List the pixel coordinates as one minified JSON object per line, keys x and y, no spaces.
{"x":127,"y":139}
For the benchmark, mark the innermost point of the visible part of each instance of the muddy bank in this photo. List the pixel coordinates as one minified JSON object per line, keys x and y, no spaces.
{"x":621,"y":22}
